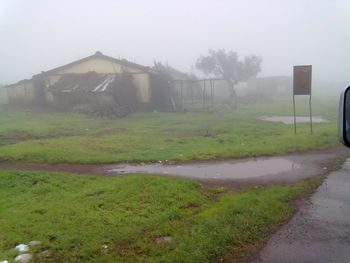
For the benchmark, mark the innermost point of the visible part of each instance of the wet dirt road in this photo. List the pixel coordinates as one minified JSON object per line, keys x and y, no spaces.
{"x":231,"y":173}
{"x":236,"y":173}
{"x":320,"y":231}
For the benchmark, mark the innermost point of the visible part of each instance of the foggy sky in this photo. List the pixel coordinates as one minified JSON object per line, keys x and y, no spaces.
{"x":39,"y":35}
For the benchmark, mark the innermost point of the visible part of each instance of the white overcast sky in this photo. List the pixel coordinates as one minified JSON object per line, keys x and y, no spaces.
{"x":37,"y":35}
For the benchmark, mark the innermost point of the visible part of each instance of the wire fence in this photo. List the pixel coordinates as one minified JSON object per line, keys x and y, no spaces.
{"x":199,"y":94}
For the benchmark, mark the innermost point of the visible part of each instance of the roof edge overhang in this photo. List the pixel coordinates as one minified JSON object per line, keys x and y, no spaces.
{"x":98,"y":54}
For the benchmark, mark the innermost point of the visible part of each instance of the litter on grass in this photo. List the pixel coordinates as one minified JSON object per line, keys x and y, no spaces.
{"x":22,"y":248}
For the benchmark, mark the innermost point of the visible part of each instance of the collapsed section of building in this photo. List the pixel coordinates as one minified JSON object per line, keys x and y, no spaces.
{"x":97,"y":84}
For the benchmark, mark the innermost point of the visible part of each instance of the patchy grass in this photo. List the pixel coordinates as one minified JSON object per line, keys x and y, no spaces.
{"x":98,"y":219}
{"x":152,"y":136}
{"x":17,"y":126}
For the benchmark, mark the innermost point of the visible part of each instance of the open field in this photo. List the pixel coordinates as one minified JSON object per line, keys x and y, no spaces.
{"x":98,"y":219}
{"x":152,"y":136}
{"x":81,"y":218}
{"x":57,"y":137}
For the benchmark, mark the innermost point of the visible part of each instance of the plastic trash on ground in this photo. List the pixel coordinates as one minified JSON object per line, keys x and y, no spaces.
{"x":22,"y":248}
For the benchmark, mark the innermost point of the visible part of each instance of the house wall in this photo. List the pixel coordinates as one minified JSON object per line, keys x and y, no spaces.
{"x":22,"y":93}
{"x":142,"y":83}
{"x":51,"y":80}
{"x":49,"y":97}
{"x":102,"y":66}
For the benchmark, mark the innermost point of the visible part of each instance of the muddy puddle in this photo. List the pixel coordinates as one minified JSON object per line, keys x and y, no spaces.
{"x":230,"y":173}
{"x":233,"y":169}
{"x":290,"y":119}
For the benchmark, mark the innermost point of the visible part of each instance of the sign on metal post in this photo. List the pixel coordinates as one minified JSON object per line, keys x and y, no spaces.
{"x":302,"y":78}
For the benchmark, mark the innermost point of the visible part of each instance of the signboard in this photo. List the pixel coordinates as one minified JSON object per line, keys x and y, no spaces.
{"x":302,"y":86}
{"x":302,"y":80}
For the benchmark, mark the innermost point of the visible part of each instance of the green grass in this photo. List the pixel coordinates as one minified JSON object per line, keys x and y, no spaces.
{"x":75,"y":216}
{"x":153,"y":136}
{"x":17,"y":126}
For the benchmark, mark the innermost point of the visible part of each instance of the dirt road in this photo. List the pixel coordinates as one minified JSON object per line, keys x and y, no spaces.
{"x":320,"y":231}
{"x":230,"y":172}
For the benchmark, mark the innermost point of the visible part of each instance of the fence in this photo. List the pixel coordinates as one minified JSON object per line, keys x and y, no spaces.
{"x":198,"y":94}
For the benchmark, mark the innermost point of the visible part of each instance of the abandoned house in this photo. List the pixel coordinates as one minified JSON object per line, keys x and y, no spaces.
{"x":97,"y":83}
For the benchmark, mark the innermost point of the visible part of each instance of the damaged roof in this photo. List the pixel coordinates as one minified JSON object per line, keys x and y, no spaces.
{"x":98,"y":54}
{"x":88,"y":82}
{"x":23,"y":81}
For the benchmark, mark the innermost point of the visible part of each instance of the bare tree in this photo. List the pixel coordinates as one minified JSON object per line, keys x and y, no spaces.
{"x":226,"y":65}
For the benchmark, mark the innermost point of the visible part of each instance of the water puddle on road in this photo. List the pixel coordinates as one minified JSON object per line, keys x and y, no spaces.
{"x":234,"y":169}
{"x":290,"y":119}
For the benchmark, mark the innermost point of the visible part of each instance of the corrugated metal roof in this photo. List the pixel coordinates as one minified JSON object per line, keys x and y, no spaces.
{"x":89,"y":82}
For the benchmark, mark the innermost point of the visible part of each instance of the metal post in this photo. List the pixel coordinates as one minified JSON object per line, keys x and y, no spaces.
{"x":295,"y":121}
{"x":310,"y":115}
{"x":209,"y":96}
{"x":191,"y":91}
{"x":204,"y":94}
{"x":213,"y":96}
{"x":181,"y":94}
{"x":211,"y":92}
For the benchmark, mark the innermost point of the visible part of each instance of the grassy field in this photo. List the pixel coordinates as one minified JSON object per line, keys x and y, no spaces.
{"x":98,"y":219}
{"x":152,"y":136}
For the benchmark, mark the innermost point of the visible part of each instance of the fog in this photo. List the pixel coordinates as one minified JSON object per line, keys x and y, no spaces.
{"x":39,"y":35}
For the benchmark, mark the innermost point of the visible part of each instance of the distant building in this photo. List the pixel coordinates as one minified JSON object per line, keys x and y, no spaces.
{"x":97,"y":78}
